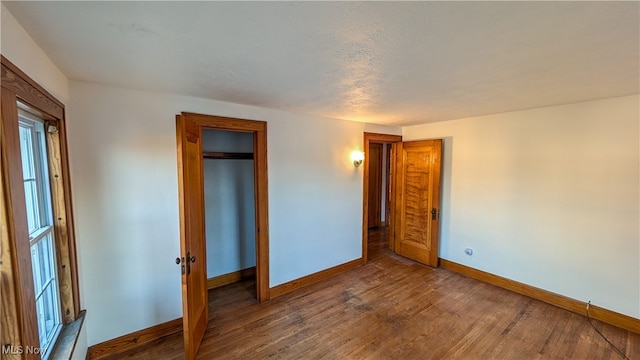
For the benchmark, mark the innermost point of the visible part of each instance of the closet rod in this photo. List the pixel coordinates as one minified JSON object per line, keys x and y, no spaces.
{"x":227,"y":155}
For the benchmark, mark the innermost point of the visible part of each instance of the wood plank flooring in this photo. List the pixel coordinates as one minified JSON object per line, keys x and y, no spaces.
{"x":393,"y":308}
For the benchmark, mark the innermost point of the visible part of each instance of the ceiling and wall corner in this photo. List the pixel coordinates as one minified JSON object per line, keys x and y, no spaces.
{"x":18,"y":46}
{"x":397,"y":63}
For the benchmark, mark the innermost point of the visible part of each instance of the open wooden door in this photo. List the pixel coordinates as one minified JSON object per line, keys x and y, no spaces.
{"x":192,"y":258}
{"x":416,"y":188}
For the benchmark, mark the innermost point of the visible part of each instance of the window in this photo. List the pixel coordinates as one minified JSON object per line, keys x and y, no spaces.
{"x":35,"y":173}
{"x":40,"y":299}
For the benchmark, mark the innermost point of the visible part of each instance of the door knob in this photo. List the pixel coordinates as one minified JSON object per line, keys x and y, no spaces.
{"x":192,"y":259}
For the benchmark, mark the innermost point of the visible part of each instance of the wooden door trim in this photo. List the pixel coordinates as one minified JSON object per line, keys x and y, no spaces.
{"x":368,"y":139}
{"x":261,"y":203}
{"x":227,"y":123}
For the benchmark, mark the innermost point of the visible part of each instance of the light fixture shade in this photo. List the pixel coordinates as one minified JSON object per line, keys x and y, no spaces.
{"x":357,"y":157}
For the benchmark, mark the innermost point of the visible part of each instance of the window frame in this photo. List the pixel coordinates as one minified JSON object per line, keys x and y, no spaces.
{"x":44,"y":231}
{"x":19,"y":322}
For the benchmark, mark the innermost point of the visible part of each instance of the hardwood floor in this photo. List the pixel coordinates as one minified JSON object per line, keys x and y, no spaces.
{"x":393,"y":308}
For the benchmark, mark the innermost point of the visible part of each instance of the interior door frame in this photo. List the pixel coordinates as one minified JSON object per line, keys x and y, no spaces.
{"x":259,"y":130}
{"x":368,"y":139}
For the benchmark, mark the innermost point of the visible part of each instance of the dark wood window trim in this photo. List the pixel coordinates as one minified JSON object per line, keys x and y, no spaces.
{"x":19,"y":323}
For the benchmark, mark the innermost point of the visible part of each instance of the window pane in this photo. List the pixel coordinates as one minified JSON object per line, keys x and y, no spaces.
{"x":36,"y":263}
{"x":29,"y":176}
{"x":26,"y":148}
{"x":46,"y":246}
{"x":33,"y":213}
{"x":41,"y":324}
{"x":43,"y":262}
{"x":46,"y":216}
{"x":47,"y":298}
{"x":48,"y":318}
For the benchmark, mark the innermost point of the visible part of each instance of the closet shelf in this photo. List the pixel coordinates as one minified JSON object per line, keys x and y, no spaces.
{"x":227,"y":155}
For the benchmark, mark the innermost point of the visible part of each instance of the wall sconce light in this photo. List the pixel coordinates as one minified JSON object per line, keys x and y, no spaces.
{"x":357,"y":157}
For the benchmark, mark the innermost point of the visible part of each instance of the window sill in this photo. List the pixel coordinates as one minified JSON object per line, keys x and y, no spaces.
{"x":68,"y":338}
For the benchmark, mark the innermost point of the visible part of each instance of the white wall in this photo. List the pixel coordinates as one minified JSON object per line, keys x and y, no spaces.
{"x":548,"y":197}
{"x":229,"y":204}
{"x":19,"y":48}
{"x":128,"y":225}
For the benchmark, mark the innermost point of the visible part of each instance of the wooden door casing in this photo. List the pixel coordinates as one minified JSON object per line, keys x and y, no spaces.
{"x":417,"y":200}
{"x":261,"y":199}
{"x":368,"y":139}
{"x":195,"y":307}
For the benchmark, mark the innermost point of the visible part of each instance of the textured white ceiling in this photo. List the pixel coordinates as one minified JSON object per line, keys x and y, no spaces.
{"x":383,"y":62}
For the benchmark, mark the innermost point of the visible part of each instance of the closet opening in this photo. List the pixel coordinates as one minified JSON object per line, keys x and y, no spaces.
{"x":229,"y":206}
